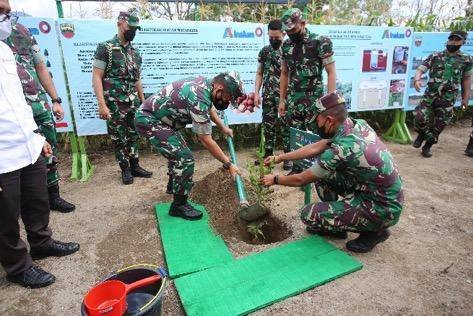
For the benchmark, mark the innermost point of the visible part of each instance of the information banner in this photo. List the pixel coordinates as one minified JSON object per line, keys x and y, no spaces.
{"x":298,"y":139}
{"x":424,"y":44}
{"x":171,"y":51}
{"x":45,"y":33}
{"x":371,"y":63}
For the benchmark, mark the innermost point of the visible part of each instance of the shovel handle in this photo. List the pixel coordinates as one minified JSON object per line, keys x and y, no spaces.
{"x":140,"y":283}
{"x":238,"y":180}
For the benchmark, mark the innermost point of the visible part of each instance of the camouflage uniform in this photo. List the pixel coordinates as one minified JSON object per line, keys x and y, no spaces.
{"x":270,"y":61}
{"x":436,"y":108}
{"x":121,"y":65}
{"x":162,"y":115}
{"x":305,"y":64}
{"x":27,"y":55}
{"x":359,"y":168}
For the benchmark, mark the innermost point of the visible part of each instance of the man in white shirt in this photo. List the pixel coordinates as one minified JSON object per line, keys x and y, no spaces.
{"x":22,"y":178}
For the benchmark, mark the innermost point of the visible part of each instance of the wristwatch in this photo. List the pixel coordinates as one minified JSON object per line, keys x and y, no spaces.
{"x":227,"y":165}
{"x":57,"y":100}
{"x":276,"y":179}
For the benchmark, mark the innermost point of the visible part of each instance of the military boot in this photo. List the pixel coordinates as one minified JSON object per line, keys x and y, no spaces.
{"x":469,"y":148}
{"x":316,"y":230}
{"x":427,"y":150}
{"x":287,"y":165}
{"x":127,"y":177}
{"x":181,"y":208}
{"x":137,"y":171}
{"x":419,"y":140}
{"x":366,"y":241}
{"x":56,"y":203}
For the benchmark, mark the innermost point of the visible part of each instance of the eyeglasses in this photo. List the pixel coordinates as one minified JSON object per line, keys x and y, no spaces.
{"x":5,"y":16}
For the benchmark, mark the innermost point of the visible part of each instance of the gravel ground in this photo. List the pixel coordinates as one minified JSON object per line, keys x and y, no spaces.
{"x":426,"y":267}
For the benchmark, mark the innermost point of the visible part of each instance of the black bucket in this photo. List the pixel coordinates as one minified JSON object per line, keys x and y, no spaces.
{"x":145,"y":301}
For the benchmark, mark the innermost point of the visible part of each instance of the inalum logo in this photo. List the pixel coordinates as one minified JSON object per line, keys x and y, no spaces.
{"x":67,"y":29}
{"x":389,"y":34}
{"x":231,"y":33}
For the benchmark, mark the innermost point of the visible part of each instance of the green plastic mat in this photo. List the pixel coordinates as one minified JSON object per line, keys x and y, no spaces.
{"x":245,"y":285}
{"x":189,"y":246}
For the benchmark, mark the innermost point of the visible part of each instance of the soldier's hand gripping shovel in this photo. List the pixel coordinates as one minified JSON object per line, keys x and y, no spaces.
{"x":246,"y":212}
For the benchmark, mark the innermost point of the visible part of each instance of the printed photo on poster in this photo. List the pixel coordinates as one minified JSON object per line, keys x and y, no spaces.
{"x":375,"y":60}
{"x":400,"y":59}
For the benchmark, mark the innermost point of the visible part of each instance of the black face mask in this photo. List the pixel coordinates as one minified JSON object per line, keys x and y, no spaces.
{"x":129,"y":35}
{"x":296,"y":37}
{"x":219,"y":103}
{"x":275,"y":43}
{"x":453,"y":48}
{"x":322,"y":133}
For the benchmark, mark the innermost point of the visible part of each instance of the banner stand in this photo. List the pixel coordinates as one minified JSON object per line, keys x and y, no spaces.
{"x":75,"y":157}
{"x":87,"y":169}
{"x":398,"y":132}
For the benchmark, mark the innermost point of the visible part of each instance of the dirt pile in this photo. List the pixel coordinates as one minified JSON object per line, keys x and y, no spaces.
{"x":217,"y":193}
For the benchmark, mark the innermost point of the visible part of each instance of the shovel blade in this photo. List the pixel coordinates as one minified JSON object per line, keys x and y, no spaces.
{"x":252,"y":212}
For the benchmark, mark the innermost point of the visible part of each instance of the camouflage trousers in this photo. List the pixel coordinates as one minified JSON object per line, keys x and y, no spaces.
{"x":171,"y":145}
{"x":47,"y":128}
{"x":300,"y":109}
{"x":121,"y":128}
{"x":431,"y":116}
{"x":353,"y":212}
{"x":271,"y":121}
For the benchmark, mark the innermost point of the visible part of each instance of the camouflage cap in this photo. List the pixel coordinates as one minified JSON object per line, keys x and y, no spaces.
{"x":460,"y":34}
{"x":290,"y":18}
{"x":129,"y":18}
{"x":329,"y":101}
{"x":233,"y":83}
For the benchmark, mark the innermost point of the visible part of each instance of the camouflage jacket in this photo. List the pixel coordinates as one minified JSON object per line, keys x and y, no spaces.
{"x":305,"y":61}
{"x":270,"y":61}
{"x":27,"y":55}
{"x":187,"y":101}
{"x":121,"y":65}
{"x":363,"y":160}
{"x":446,"y":72}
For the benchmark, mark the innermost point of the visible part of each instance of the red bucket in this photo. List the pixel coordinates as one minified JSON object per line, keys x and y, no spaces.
{"x":109,"y":297}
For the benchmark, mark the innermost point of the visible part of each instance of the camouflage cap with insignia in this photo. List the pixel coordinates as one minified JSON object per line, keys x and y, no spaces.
{"x":233,"y":83}
{"x":129,"y":18}
{"x":290,"y":18}
{"x":329,"y":101}
{"x":460,"y":34}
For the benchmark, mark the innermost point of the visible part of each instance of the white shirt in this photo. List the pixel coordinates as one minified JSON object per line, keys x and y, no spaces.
{"x":19,"y":145}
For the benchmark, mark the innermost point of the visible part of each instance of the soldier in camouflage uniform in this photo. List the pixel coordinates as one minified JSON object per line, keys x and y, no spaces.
{"x":35,"y":79}
{"x":188,"y":101}
{"x":267,"y":75}
{"x":355,"y":176}
{"x":304,"y":56}
{"x":117,"y":85}
{"x":449,"y":70}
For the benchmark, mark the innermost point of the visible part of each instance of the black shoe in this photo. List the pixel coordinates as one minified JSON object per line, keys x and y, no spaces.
{"x":186,"y":211}
{"x":287,"y":165}
{"x":366,"y":241}
{"x":469,"y":152}
{"x":418,"y":142}
{"x":56,"y":203}
{"x":127,"y":177}
{"x":314,"y":230}
{"x":427,"y":150}
{"x":34,"y":278}
{"x":55,"y":249}
{"x":137,"y":171}
{"x":294,"y":171}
